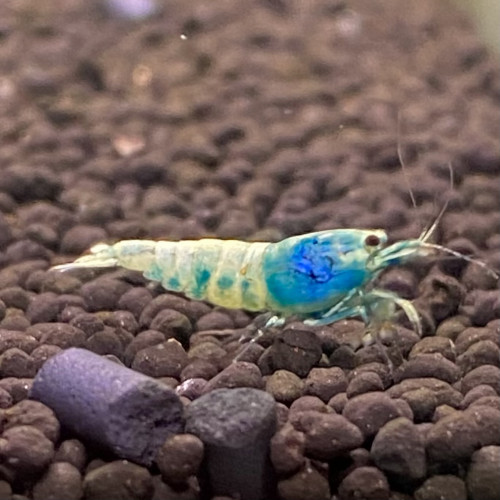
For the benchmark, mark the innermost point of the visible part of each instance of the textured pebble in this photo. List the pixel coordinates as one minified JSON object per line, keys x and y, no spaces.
{"x":42,"y":354}
{"x":5,"y":490}
{"x":147,"y":338}
{"x":343,"y":357}
{"x":18,"y":388}
{"x":58,"y":334}
{"x":43,"y":308}
{"x":364,"y":382}
{"x":80,"y":238}
{"x":444,"y":487}
{"x":327,"y":435}
{"x":210,"y":352}
{"x":161,"y":360}
{"x":444,"y":392}
{"x":24,"y":449}
{"x":179,"y":457}
{"x":287,"y":450}
{"x":215,"y":320}
{"x":477,"y":392}
{"x":282,"y":414}
{"x":135,"y":300}
{"x":172,"y":324}
{"x":370,"y":411}
{"x":118,"y":479}
{"x":199,"y":368}
{"x":103,"y":294}
{"x":338,"y":402}
{"x":5,"y":399}
{"x":284,"y":386}
{"x":325,"y":382}
{"x":368,"y":483}
{"x":458,"y":435}
{"x":307,"y":403}
{"x":381,"y":369}
{"x":235,"y":426}
{"x":398,"y":449}
{"x":484,"y":352}
{"x":192,"y":310}
{"x":20,"y":340}
{"x":15,"y":296}
{"x":306,"y":484}
{"x":422,"y":402}
{"x":428,"y":365}
{"x":72,"y":451}
{"x":87,"y":323}
{"x":483,"y":480}
{"x":442,"y":411}
{"x":15,"y":320}
{"x":237,"y":374}
{"x":296,"y":351}
{"x":25,"y":183}
{"x":470,"y":336}
{"x":431,"y":345}
{"x":483,"y":375}
{"x":127,"y":412}
{"x":452,"y":327}
{"x":16,"y":363}
{"x":251,"y":352}
{"x":105,"y":342}
{"x":191,"y":388}
{"x":485,"y":307}
{"x":124,"y":320}
{"x":62,"y":480}
{"x":31,"y":413}
{"x":442,"y":294}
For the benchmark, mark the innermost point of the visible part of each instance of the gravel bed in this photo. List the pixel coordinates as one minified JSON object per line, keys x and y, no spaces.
{"x":255,"y":121}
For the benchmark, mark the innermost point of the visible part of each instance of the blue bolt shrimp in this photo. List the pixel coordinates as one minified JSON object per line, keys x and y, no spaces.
{"x":320,"y":277}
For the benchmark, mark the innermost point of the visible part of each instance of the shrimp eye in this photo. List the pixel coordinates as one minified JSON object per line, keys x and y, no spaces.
{"x":372,"y":240}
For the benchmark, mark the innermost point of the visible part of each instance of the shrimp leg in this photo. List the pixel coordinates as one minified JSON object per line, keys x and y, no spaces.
{"x":405,"y":305}
{"x":346,"y":312}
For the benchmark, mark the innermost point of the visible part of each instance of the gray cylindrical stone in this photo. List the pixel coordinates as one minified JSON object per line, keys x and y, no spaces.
{"x":236,"y":426}
{"x":115,"y":407}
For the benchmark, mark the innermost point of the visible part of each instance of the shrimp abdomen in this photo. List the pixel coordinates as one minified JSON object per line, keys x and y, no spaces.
{"x":224,"y":272}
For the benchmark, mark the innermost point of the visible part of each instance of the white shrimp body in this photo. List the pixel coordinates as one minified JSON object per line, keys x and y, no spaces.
{"x":321,"y":277}
{"x":224,"y":272}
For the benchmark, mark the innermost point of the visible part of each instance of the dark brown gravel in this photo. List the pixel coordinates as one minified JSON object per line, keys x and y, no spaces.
{"x":179,"y":458}
{"x":306,"y":484}
{"x":252,"y":121}
{"x":118,"y":479}
{"x":62,"y":480}
{"x":482,"y":478}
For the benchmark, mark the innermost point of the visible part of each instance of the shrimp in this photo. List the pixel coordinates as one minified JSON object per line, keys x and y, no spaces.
{"x":320,"y":277}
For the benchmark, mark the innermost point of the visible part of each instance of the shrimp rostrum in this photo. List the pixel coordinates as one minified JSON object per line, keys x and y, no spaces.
{"x":320,"y":277}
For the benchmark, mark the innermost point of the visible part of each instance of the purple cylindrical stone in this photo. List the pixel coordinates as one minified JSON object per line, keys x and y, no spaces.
{"x":115,"y":407}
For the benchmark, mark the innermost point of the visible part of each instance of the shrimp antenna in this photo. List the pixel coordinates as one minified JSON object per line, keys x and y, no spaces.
{"x":403,"y":166}
{"x":428,"y":231}
{"x":461,"y":256}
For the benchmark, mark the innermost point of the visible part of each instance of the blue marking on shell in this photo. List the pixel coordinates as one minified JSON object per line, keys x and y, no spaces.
{"x":225,"y":282}
{"x":154,"y":272}
{"x":201,"y":279}
{"x":174,"y":283}
{"x":313,"y":259}
{"x":248,"y":295}
{"x":309,"y":274}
